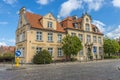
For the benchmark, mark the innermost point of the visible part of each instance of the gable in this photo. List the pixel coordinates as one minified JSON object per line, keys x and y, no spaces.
{"x":49,"y":16}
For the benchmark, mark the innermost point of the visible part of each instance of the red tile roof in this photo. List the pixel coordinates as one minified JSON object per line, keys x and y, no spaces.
{"x":4,"y":49}
{"x":34,"y":20}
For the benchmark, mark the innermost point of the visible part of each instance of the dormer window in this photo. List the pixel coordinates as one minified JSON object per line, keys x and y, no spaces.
{"x":87,"y":27}
{"x":49,"y":24}
{"x":96,"y":30}
{"x":75,"y":25}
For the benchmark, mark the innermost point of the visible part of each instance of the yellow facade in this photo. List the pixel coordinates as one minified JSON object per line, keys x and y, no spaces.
{"x":26,"y":38}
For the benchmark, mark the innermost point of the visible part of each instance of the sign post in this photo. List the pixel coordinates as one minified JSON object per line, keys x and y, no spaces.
{"x":17,"y":53}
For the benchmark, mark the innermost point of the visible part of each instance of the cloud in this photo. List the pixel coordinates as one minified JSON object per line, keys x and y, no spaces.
{"x":115,"y":33}
{"x":71,"y":5}
{"x":10,"y":1}
{"x":94,"y":4}
{"x":11,"y":40}
{"x":29,"y":10}
{"x":7,"y":42}
{"x":3,"y":23}
{"x":100,"y":25}
{"x":3,"y":44}
{"x":43,"y":2}
{"x":116,"y":3}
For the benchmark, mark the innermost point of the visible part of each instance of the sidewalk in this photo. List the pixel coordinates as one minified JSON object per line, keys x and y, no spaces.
{"x":31,"y":66}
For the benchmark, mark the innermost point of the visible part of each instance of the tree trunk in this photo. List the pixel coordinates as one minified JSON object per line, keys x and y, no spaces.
{"x":68,"y":57}
{"x":109,"y":54}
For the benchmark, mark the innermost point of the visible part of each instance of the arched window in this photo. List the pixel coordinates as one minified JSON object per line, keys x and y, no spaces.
{"x":87,"y":20}
{"x":87,"y":27}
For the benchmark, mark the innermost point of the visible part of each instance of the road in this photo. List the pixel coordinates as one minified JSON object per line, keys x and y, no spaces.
{"x":96,"y":70}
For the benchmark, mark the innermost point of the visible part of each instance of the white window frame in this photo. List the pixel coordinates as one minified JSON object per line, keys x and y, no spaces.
{"x":80,"y":37}
{"x":39,"y":36}
{"x":94,"y":39}
{"x":50,"y":37}
{"x":88,"y":38}
{"x":87,"y":27}
{"x":38,"y":49}
{"x":99,"y":40}
{"x":59,"y":37}
{"x":60,"y":52}
{"x":20,"y":37}
{"x":73,"y":34}
{"x":50,"y":24}
{"x":76,"y":25}
{"x":50,"y":50}
{"x":81,"y":52}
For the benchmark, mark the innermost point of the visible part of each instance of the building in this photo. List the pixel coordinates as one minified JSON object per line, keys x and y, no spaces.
{"x":36,"y":32}
{"x":7,"y":49}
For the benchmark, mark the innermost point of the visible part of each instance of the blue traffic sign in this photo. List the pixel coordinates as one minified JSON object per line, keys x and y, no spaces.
{"x":17,"y":53}
{"x":94,"y":49}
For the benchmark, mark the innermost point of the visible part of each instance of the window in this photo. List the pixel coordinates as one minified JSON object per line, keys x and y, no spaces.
{"x":99,"y":40}
{"x":49,"y":24}
{"x":100,"y":50}
{"x":20,"y":37}
{"x":23,"y":36}
{"x":17,"y":39}
{"x":88,"y":38}
{"x":87,"y":20}
{"x":50,"y":51}
{"x":81,"y":52}
{"x":73,"y":34}
{"x":87,"y":27}
{"x":60,"y":52}
{"x":94,"y":39}
{"x":38,"y":49}
{"x":39,"y":36}
{"x":96,"y":30}
{"x":50,"y":37}
{"x":80,"y":37}
{"x":59,"y":37}
{"x":75,"y":25}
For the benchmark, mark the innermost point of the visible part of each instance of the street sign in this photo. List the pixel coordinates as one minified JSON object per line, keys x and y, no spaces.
{"x":17,"y":53}
{"x":94,"y":49}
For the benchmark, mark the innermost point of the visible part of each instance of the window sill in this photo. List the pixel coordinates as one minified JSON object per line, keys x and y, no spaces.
{"x":39,"y":40}
{"x":59,"y":41}
{"x":50,"y":41}
{"x":59,"y":56}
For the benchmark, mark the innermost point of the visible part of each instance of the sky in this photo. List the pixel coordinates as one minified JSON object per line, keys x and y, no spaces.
{"x":105,"y":14}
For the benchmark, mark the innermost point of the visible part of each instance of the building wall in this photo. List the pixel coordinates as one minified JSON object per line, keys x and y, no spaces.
{"x":30,"y":43}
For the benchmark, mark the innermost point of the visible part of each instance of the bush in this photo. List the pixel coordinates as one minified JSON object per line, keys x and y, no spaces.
{"x":73,"y":59}
{"x":42,"y":57}
{"x":7,"y":57}
{"x":111,"y":57}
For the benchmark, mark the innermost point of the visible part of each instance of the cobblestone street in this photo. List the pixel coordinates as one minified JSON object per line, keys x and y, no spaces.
{"x":96,"y":70}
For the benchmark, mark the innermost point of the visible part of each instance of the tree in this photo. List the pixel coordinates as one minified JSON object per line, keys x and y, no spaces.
{"x":111,"y":46}
{"x":42,"y":57}
{"x":71,"y":46}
